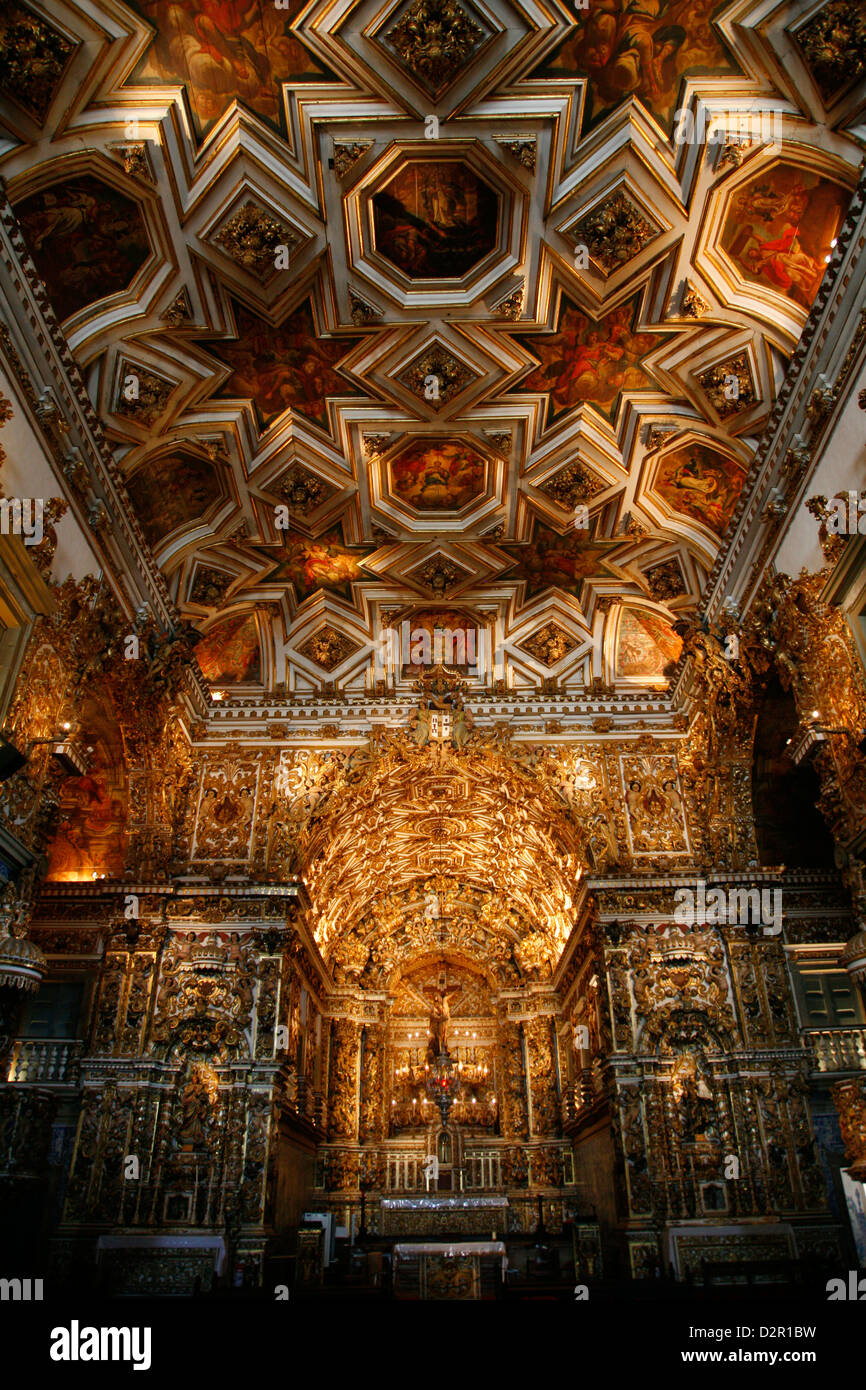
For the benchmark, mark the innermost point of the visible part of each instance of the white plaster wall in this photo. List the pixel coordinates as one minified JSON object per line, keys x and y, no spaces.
{"x":842,"y":465}
{"x":26,"y":472}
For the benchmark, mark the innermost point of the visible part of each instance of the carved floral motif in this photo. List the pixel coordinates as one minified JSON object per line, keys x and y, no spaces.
{"x":435,"y":39}
{"x":436,"y":376}
{"x":614,"y":232}
{"x":253,"y":238}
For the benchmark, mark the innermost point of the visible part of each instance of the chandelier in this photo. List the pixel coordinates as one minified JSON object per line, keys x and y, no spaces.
{"x":442,"y":1083}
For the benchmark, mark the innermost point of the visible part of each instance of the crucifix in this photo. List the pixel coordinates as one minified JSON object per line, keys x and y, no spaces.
{"x":440,"y":1017}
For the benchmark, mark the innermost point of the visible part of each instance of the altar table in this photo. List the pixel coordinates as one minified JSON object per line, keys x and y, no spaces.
{"x":448,"y":1269}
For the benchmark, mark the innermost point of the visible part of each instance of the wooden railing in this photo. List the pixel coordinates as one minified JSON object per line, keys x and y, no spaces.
{"x":837,"y":1049}
{"x":45,"y":1062}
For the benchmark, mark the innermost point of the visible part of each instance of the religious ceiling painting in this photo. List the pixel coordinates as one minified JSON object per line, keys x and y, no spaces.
{"x":438,"y":635}
{"x":647,"y":647}
{"x":87,"y":239}
{"x":435,"y":219}
{"x":780,"y":227}
{"x":643,"y":49}
{"x":588,"y":362}
{"x":702,"y":483}
{"x":290,"y":367}
{"x":222,"y":51}
{"x":89,"y":840}
{"x":229,"y":653}
{"x":438,"y":475}
{"x":172,"y":491}
{"x":562,"y":562}
{"x":325,"y":562}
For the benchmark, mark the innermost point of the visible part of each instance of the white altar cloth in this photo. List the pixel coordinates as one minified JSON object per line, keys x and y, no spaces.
{"x":453,"y":1249}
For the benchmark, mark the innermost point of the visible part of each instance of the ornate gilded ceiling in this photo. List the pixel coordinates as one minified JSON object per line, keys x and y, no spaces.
{"x":412,"y":818}
{"x":432,"y":309}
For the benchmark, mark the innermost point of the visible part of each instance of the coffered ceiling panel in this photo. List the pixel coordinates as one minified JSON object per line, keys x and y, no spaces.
{"x":432,"y":309}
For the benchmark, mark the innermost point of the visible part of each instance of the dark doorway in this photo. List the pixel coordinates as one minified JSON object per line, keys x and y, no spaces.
{"x":789,"y":828}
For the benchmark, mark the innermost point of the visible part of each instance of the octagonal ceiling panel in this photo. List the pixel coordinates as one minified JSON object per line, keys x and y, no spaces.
{"x":769,"y":234}
{"x":435,"y":219}
{"x":698,"y":481}
{"x":438,"y":483}
{"x":436,"y":223}
{"x":437,"y":475}
{"x":176,"y":492}
{"x":87,"y":238}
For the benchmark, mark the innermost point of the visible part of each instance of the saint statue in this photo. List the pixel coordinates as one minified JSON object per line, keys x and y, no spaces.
{"x":195,"y":1113}
{"x":419,"y":725}
{"x":440,"y":1017}
{"x":694,"y":1100}
{"x":460,"y":727}
{"x":431,"y":906}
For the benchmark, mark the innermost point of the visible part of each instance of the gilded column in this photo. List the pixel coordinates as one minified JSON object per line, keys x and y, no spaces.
{"x":513,"y":1109}
{"x":343,"y":1086}
{"x":541,"y":1064}
{"x":372,"y":1090}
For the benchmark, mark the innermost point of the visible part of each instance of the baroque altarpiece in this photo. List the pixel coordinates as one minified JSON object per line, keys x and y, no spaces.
{"x":431,"y":635}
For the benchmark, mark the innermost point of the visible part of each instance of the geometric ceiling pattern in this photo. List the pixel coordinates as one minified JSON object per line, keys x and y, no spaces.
{"x":421,"y":308}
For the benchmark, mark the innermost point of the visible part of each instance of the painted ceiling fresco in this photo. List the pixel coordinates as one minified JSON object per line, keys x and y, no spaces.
{"x":432,"y":400}
{"x":86,"y":238}
{"x":780,"y":228}
{"x":647,"y":646}
{"x":221,"y":51}
{"x":438,"y":474}
{"x":89,"y":838}
{"x":589,"y":363}
{"x":285,"y":368}
{"x":435,"y":219}
{"x":325,"y":562}
{"x":170,"y":492}
{"x":559,"y":562}
{"x":643,"y":49}
{"x":229,"y":653}
{"x":701,"y":483}
{"x":442,"y":625}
